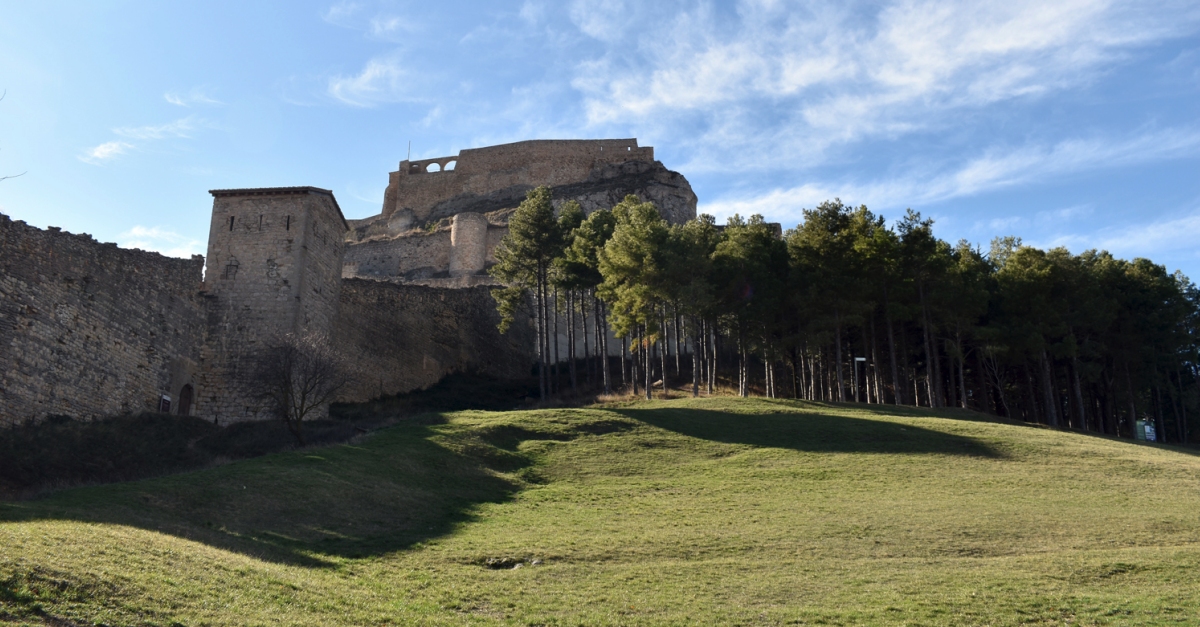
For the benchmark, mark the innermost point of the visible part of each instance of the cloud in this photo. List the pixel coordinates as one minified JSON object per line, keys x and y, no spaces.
{"x":995,"y":169}
{"x":786,"y":82}
{"x":160,"y":240}
{"x":388,"y":26}
{"x":105,"y":152}
{"x":342,"y":13}
{"x":532,"y":12}
{"x":382,"y":80}
{"x":196,"y":96}
{"x":605,"y":20}
{"x":179,"y":128}
{"x":1152,"y":240}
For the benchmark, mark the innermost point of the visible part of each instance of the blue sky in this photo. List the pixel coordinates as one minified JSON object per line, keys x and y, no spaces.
{"x":1073,"y":123}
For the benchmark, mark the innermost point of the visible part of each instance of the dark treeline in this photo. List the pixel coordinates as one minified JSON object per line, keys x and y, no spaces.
{"x":845,"y":308}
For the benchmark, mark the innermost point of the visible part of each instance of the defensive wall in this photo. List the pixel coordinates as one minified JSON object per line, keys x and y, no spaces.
{"x":442,"y":218}
{"x":418,"y":189}
{"x":89,"y":329}
{"x":407,"y":337}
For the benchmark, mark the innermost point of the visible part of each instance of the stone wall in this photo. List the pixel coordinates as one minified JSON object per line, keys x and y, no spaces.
{"x":468,"y":244}
{"x":407,"y":337}
{"x":420,"y":186}
{"x":490,"y":183}
{"x":90,"y":329}
{"x":275,"y":268}
{"x":421,"y":255}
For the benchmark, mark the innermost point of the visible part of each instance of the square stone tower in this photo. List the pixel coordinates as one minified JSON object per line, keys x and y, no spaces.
{"x":274,"y":267}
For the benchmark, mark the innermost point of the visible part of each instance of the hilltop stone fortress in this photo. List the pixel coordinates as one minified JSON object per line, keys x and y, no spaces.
{"x":88,"y":329}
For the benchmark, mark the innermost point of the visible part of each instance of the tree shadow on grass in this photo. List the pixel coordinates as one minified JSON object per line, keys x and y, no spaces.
{"x":400,"y":487}
{"x":810,"y":431}
{"x":970,"y":415}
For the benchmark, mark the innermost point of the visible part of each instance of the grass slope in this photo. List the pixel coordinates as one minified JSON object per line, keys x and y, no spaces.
{"x":713,"y":511}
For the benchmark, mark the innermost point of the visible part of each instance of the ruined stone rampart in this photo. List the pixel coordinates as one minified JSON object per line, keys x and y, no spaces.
{"x":407,"y":337}
{"x":424,"y":255}
{"x":422,"y":187}
{"x":425,"y":196}
{"x":89,"y":329}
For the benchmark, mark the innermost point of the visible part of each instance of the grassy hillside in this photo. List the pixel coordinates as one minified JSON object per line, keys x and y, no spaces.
{"x":715,"y":511}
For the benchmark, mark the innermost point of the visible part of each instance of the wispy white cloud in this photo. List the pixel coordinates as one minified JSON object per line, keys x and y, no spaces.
{"x":195,"y":96}
{"x":813,"y":76}
{"x":532,"y":12}
{"x":995,"y":169}
{"x":382,"y":80}
{"x":160,"y":240}
{"x":104,"y":152}
{"x":342,"y":13}
{"x":179,"y":128}
{"x":605,"y":20}
{"x":1173,"y":233}
{"x":388,"y":26}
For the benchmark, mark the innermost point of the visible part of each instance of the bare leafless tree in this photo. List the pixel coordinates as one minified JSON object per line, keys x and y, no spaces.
{"x":297,"y":377}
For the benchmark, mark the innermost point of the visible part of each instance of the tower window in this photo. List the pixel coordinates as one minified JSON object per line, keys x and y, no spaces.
{"x":230,"y":223}
{"x":231,"y":269}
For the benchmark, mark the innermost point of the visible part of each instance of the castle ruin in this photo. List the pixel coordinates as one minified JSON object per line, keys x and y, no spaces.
{"x":88,"y":329}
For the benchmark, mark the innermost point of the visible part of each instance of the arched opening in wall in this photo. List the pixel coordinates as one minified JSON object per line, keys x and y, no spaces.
{"x":185,"y":400}
{"x":433,"y":167}
{"x":449,"y":165}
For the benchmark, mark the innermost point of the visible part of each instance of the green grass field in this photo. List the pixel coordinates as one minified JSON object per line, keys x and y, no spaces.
{"x":682,"y":512}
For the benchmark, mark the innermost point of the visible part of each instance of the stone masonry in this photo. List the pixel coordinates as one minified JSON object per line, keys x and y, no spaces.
{"x":275,"y":268}
{"x":89,"y":329}
{"x":442,"y":216}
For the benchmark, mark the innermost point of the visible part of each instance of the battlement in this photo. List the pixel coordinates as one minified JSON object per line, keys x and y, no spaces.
{"x":570,"y":152}
{"x":428,"y":189}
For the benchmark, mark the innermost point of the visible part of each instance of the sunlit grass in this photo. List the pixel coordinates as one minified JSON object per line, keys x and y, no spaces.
{"x":714,"y":511}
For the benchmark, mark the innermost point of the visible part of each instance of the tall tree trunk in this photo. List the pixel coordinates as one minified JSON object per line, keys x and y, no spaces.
{"x":676,"y":322}
{"x":795,"y":372}
{"x":1159,"y":431}
{"x":962,"y":355}
{"x":1048,"y":390}
{"x":932,"y":364}
{"x":645,"y":346}
{"x":841,"y":392}
{"x":694,"y":327}
{"x":876,"y":385}
{"x":602,"y":345}
{"x":1182,"y":402}
{"x":741,"y":349}
{"x":712,"y":369}
{"x":541,"y":333}
{"x":1031,"y":397}
{"x":554,"y":308}
{"x":1083,"y":421}
{"x":1132,"y":401}
{"x":625,"y":347}
{"x":767,"y":383}
{"x":571,"y":339}
{"x":662,"y":353}
{"x":985,"y":397}
{"x":897,"y":394}
{"x":583,"y":314}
